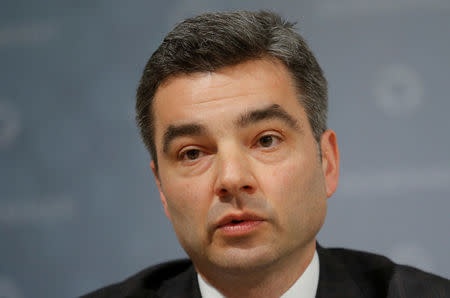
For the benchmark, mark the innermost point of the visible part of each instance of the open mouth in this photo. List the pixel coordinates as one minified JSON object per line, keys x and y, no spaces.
{"x":239,"y":227}
{"x":236,"y":221}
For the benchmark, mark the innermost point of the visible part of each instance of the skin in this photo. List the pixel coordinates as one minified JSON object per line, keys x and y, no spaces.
{"x":269,"y":168}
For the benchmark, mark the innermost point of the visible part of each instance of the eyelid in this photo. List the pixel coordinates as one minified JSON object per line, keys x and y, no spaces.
{"x":182,"y":153}
{"x":276,"y":134}
{"x":271,"y":132}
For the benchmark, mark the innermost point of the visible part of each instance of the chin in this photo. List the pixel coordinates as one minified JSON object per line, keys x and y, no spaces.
{"x":239,"y":259}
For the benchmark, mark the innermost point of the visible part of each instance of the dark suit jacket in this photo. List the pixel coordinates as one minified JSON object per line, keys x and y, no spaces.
{"x":343,"y":273}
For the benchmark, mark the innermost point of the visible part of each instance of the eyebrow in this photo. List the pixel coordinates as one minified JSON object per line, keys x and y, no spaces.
{"x":274,"y":111}
{"x":175,"y":131}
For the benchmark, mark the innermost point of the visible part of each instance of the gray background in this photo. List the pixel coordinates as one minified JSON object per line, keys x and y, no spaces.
{"x":78,"y":205}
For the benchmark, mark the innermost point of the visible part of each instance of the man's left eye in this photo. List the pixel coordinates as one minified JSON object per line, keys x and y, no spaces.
{"x":268,"y":141}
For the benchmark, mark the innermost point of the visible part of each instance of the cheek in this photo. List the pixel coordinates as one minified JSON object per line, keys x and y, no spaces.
{"x":187,"y":204}
{"x":180,"y":197}
{"x":297,"y":193}
{"x":285,"y":182}
{"x":282,"y":187}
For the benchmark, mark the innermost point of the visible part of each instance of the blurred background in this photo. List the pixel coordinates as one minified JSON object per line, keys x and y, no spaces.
{"x":78,"y":205}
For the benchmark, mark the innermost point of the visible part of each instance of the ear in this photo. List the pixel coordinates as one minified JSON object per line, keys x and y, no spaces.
{"x":330,"y":160}
{"x":161,"y":193}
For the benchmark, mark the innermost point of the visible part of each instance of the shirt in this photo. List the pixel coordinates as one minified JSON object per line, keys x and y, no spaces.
{"x":305,"y":286}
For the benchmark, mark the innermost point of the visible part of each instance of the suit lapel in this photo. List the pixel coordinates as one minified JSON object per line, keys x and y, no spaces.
{"x":334,"y":278}
{"x":184,"y":285}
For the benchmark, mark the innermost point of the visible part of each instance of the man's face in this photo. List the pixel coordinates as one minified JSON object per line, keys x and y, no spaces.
{"x":240,"y":175}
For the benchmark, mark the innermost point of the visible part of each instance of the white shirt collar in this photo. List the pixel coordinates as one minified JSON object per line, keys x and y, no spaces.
{"x":305,"y":286}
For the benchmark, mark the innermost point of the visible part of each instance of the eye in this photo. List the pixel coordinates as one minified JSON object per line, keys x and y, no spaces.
{"x":268,"y":141}
{"x":190,"y":154}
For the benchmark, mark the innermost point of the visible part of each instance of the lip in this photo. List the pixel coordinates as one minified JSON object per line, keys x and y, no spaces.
{"x":238,"y":224}
{"x":238,"y":217}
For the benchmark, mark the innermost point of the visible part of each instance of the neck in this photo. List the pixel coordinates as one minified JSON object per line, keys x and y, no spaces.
{"x":270,"y":281}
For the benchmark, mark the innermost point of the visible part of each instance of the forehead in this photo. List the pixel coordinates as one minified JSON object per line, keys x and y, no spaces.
{"x":224,"y":94}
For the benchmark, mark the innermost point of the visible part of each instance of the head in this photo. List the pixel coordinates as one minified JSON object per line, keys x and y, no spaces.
{"x":212,"y":41}
{"x":232,"y":107}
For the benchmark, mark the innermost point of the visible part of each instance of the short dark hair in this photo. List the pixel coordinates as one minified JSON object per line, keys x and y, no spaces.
{"x":208,"y":42}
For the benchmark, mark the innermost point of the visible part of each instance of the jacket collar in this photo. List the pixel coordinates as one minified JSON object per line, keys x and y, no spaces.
{"x":334,"y":281}
{"x":334,"y":278}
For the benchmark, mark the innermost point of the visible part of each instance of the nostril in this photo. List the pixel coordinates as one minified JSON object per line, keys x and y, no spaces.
{"x":223,"y":191}
{"x":247,"y":189}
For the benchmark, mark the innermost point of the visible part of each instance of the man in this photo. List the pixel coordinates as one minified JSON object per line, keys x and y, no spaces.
{"x":232,"y":107}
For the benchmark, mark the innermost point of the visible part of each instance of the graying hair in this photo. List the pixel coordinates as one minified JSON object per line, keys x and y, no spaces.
{"x":208,"y":42}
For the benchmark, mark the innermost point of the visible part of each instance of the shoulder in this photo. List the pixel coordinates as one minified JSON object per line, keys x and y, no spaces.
{"x":148,"y":282}
{"x":407,"y":281}
{"x":377,"y":276}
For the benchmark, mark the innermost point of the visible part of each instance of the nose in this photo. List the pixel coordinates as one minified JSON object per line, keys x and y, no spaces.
{"x":235,"y":175}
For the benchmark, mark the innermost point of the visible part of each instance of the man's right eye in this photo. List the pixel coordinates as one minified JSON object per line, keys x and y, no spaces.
{"x":190,"y":154}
